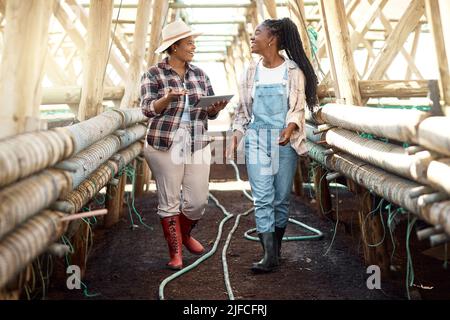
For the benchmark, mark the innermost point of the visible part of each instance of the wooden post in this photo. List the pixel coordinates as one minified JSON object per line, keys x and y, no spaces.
{"x":322,"y":191}
{"x":435,"y":23}
{"x":271,"y":8}
{"x":80,"y":244}
{"x":114,"y":202}
{"x":131,"y":96}
{"x":22,"y":66}
{"x":245,"y":42}
{"x":372,"y":233}
{"x":142,"y":176}
{"x":96,"y":59}
{"x":160,"y":11}
{"x":297,"y":7}
{"x":339,"y":51}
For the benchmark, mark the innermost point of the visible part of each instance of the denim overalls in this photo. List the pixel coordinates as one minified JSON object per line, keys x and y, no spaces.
{"x":270,"y":166}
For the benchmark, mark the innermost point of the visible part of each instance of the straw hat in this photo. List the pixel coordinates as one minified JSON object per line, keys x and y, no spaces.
{"x":173,"y":32}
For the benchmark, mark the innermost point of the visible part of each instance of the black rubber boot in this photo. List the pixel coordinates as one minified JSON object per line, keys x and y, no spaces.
{"x":279,"y":234}
{"x":270,"y":259}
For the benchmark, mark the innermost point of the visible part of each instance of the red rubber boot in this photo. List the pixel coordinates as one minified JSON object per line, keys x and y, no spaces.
{"x":172,"y":233}
{"x":191,"y":244}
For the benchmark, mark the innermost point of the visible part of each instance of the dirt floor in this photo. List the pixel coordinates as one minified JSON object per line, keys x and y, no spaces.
{"x":129,"y":263}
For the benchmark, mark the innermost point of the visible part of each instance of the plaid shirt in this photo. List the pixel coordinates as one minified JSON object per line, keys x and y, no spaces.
{"x":162,"y":126}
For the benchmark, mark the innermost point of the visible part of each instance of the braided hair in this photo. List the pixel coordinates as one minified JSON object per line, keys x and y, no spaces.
{"x":289,"y":40}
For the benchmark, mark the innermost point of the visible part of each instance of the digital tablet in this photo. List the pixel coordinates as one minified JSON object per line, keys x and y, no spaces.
{"x":206,"y":101}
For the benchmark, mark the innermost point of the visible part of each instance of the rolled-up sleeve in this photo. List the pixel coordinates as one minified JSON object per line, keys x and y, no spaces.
{"x":296,"y":113}
{"x":149,"y":94}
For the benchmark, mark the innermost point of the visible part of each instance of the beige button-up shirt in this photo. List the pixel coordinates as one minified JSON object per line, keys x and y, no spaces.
{"x":296,"y":102}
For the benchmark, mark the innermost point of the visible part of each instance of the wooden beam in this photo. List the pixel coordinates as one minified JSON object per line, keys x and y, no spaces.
{"x":397,"y":38}
{"x":413,"y":52}
{"x":383,"y":88}
{"x":339,"y":51}
{"x":435,"y":23}
{"x":131,"y":97}
{"x":22,"y":65}
{"x":95,"y":62}
{"x":365,"y":22}
{"x":160,"y":10}
{"x":72,"y":94}
{"x":406,"y":55}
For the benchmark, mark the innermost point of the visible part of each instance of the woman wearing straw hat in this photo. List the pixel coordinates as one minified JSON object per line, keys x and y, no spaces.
{"x":271,"y":117}
{"x":177,"y":147}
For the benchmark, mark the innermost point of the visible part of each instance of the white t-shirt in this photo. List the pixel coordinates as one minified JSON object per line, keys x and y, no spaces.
{"x":270,"y":75}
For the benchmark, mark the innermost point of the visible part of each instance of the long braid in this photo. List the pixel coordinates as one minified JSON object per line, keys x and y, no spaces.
{"x":289,"y":40}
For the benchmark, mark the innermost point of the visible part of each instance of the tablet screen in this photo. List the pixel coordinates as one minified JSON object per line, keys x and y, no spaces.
{"x":206,"y":101}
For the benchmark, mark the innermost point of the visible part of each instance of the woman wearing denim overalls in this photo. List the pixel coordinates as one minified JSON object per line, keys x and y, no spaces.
{"x":271,"y":118}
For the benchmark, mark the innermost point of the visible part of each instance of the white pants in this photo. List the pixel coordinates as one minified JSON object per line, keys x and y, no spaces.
{"x":178,"y":168}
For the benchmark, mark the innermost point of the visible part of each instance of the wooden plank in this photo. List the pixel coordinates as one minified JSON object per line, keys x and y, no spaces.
{"x":160,"y":10}
{"x":397,"y":38}
{"x":435,"y":23}
{"x":26,"y":32}
{"x":131,"y":96}
{"x":95,"y":62}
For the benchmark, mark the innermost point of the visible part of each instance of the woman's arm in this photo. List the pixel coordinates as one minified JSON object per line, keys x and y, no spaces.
{"x":150,"y":104}
{"x":149,"y":95}
{"x":295,"y":118}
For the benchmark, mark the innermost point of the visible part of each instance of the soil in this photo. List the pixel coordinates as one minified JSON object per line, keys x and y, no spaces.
{"x":129,"y":263}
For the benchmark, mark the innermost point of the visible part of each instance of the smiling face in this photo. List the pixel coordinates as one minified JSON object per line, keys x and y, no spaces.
{"x":184,"y":49}
{"x":260,"y":40}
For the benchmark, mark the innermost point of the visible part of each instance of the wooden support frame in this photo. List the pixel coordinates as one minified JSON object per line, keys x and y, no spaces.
{"x":396,"y":39}
{"x":435,"y":23}
{"x":114,"y":201}
{"x":339,"y":51}
{"x":160,"y":11}
{"x":26,"y":32}
{"x":131,"y":96}
{"x":96,"y":58}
